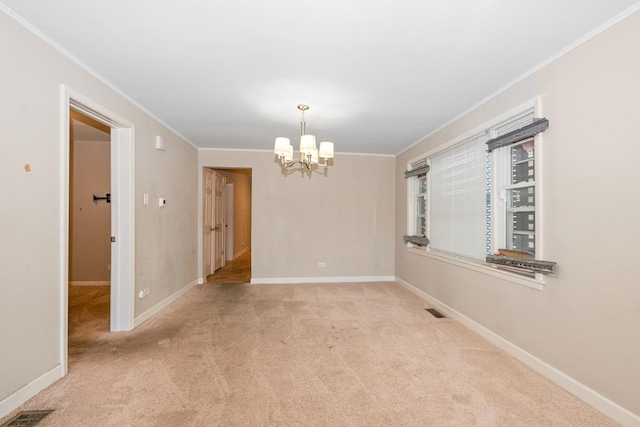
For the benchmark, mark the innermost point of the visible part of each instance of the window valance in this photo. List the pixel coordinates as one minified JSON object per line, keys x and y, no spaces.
{"x":416,"y":240}
{"x":518,"y":135}
{"x":534,"y":265}
{"x":418,"y":168}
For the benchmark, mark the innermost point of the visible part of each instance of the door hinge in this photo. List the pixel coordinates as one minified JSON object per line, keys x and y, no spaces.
{"x":113,"y":239}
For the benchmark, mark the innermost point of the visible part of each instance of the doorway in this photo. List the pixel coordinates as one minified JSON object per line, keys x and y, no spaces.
{"x":89,"y":223}
{"x":121,"y":292}
{"x":227,"y":224}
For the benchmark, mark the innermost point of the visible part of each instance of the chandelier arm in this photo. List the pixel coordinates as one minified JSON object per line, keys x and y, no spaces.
{"x":289,"y":164}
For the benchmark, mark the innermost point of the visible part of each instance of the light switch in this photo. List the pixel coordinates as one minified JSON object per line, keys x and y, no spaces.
{"x":162,"y":202}
{"x":145,"y":198}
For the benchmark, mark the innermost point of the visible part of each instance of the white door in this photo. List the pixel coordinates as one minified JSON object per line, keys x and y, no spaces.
{"x":218,"y":222}
{"x":207,"y":226}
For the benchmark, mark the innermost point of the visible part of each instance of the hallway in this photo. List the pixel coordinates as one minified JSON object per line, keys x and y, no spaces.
{"x":236,"y":271}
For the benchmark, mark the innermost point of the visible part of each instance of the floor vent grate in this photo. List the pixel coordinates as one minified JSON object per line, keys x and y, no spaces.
{"x":27,"y":418}
{"x":435,"y":313}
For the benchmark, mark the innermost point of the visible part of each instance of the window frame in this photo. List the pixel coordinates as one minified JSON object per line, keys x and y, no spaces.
{"x":421,"y":228}
{"x":535,"y":281}
{"x":414,"y":237}
{"x":501,"y":183}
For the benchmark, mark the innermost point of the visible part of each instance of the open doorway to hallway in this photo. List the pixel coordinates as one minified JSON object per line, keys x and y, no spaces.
{"x":120,"y":313}
{"x":227,"y":225}
{"x":89,"y":225}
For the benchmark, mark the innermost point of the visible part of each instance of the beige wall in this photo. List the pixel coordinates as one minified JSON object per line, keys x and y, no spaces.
{"x":344,"y":219}
{"x":33,"y":199}
{"x":586,"y":321}
{"x":166,"y":238}
{"x":89,"y":222}
{"x":241,"y":210}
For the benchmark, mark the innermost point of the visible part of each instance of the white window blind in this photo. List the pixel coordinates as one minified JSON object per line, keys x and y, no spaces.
{"x":458,"y":199}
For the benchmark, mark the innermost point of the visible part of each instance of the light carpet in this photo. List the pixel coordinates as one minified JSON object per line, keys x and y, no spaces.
{"x":350,"y":354}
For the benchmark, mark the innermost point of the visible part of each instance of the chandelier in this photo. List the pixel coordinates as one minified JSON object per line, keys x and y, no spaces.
{"x":309,"y":157}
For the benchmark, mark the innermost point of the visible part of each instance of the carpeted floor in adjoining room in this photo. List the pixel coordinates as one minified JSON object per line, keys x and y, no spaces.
{"x":351,"y":354}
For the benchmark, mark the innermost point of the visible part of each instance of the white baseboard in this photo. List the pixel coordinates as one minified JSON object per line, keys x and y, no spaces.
{"x":593,"y":398}
{"x":290,"y":280}
{"x":14,"y":400}
{"x":241,"y":252}
{"x":162,"y":304}
{"x":90,"y":283}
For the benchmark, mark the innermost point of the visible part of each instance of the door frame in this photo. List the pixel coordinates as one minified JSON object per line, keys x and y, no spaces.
{"x":122,"y":214}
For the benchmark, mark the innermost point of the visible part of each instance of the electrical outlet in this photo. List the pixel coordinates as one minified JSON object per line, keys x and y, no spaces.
{"x":147,"y":291}
{"x":322,"y":264}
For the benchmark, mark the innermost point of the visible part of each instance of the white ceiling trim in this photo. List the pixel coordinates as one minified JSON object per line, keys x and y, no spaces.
{"x":26,"y":24}
{"x":424,"y":62}
{"x":538,"y":67}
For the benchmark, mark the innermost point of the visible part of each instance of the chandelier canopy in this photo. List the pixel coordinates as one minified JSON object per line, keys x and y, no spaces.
{"x":308,"y":159}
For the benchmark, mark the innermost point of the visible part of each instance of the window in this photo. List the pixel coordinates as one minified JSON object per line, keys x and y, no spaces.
{"x":514,"y":190}
{"x":479,"y":195}
{"x":417,"y":175}
{"x":421,"y":205}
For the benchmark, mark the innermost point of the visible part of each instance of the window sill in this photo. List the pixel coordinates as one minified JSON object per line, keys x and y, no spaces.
{"x":481,"y":268}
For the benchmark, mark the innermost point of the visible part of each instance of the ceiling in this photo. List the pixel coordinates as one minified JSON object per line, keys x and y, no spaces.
{"x":378,"y":75}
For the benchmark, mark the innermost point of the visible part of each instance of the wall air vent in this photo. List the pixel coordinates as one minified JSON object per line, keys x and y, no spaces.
{"x":27,"y":418}
{"x":435,"y":313}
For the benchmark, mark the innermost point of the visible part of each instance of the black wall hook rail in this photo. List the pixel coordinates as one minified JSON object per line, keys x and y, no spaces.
{"x":107,"y":198}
